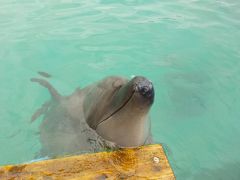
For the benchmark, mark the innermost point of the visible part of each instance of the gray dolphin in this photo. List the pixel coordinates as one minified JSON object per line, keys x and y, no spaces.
{"x":111,"y":113}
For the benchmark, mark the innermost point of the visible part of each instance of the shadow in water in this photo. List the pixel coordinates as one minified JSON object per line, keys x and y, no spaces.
{"x":230,"y":171}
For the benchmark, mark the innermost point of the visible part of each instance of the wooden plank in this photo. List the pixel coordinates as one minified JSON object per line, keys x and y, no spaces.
{"x":146,"y":162}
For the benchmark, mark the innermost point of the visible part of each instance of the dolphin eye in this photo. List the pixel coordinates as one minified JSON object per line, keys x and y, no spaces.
{"x":118,"y":83}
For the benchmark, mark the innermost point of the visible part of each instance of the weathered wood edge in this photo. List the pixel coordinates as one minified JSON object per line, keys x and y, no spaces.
{"x":145,"y":162}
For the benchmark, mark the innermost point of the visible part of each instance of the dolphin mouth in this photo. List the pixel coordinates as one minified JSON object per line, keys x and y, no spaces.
{"x":118,"y":109}
{"x":139,"y":87}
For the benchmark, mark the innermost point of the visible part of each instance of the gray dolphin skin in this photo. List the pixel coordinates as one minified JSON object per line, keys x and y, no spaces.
{"x":109,"y":114}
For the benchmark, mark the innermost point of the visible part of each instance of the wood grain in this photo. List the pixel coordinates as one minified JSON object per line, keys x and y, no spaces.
{"x":146,"y":162}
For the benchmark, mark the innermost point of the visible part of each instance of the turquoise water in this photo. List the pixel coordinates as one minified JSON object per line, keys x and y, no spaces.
{"x":189,"y":49}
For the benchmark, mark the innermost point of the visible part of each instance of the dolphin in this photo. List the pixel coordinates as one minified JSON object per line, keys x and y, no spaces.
{"x":109,"y":114}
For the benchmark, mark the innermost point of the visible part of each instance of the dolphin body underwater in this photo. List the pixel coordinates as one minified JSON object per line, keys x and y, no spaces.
{"x":109,"y":114}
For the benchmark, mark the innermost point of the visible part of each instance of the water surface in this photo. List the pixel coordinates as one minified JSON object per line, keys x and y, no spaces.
{"x":189,"y":49}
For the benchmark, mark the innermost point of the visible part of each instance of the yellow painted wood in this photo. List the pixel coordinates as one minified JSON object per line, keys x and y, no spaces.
{"x":146,"y":162}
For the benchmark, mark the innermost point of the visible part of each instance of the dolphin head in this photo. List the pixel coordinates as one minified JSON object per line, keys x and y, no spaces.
{"x":118,"y":108}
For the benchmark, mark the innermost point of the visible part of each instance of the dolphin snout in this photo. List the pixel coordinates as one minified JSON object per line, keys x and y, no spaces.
{"x":144,"y":87}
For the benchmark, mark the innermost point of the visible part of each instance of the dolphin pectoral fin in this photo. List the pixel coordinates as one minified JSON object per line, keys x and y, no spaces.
{"x":98,"y":141}
{"x":103,"y":144}
{"x":107,"y":145}
{"x":43,"y":109}
{"x":54,"y":93}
